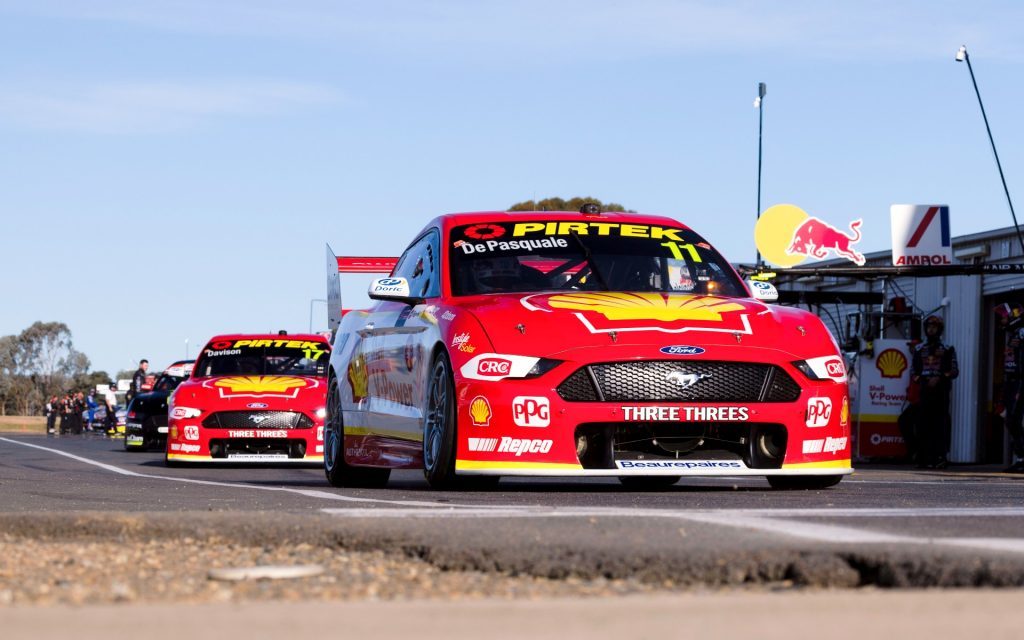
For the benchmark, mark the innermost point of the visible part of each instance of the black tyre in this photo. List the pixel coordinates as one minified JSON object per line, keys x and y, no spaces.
{"x":648,"y":483}
{"x":439,"y":426}
{"x":803,"y":482}
{"x":338,"y":473}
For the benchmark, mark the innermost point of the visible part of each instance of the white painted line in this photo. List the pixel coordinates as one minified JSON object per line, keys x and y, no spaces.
{"x":309,"y":493}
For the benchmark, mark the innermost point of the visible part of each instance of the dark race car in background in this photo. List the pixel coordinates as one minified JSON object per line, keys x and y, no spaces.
{"x":146,"y":421}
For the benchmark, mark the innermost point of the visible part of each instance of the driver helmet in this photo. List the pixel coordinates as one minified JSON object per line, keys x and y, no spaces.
{"x":491,"y":274}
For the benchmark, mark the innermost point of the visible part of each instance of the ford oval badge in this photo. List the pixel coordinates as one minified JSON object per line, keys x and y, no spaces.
{"x":682,"y":350}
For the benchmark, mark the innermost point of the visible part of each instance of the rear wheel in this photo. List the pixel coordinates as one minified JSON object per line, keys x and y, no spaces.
{"x":439,"y":426}
{"x":803,"y":482}
{"x":648,"y":483}
{"x":338,"y":473}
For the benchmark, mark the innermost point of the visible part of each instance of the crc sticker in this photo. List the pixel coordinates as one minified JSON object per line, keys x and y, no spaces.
{"x":531,"y":411}
{"x":496,"y":366}
{"x":830,"y":367}
{"x":191,"y":432}
{"x":681,"y":350}
{"x":819,"y":412}
{"x":480,"y":412}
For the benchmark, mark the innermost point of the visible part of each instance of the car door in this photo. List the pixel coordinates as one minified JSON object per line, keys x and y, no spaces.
{"x":396,"y":340}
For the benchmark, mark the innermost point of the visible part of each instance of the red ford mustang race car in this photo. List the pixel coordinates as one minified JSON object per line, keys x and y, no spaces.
{"x":252,"y":398}
{"x":578,"y":344}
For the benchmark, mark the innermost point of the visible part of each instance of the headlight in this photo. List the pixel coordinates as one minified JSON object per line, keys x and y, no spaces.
{"x":320,"y":413}
{"x":823,"y":368}
{"x":181,"y":413}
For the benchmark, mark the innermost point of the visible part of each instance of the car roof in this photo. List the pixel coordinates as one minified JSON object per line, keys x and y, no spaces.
{"x":450,"y":220}
{"x":269,"y":336}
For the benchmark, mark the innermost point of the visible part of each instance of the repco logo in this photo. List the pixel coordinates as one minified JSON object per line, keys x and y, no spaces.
{"x":494,"y":367}
{"x":835,"y":368}
{"x":819,"y":411}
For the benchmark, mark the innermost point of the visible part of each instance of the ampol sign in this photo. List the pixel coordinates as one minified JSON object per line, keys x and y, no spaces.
{"x":920,"y":235}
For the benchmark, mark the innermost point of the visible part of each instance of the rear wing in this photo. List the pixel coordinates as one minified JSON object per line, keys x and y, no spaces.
{"x":348,"y":264}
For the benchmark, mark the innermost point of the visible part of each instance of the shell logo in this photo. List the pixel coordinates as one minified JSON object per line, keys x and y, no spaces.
{"x":261,"y":384}
{"x":480,"y":411}
{"x":646,"y":306}
{"x":892,"y":363}
{"x":844,"y":414}
{"x":358,"y":378}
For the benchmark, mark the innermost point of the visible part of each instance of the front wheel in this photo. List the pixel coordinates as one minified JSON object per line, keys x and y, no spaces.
{"x":803,"y":482}
{"x":338,"y":473}
{"x":439,"y":426}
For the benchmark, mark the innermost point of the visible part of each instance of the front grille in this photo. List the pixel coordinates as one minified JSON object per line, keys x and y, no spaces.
{"x":225,"y":448}
{"x":257,"y":420}
{"x":664,"y":381}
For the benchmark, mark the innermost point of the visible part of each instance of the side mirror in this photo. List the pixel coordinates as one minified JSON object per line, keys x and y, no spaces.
{"x":763,"y":291}
{"x":393,"y":289}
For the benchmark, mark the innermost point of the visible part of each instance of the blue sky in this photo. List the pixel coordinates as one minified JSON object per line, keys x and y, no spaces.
{"x":172,"y":169}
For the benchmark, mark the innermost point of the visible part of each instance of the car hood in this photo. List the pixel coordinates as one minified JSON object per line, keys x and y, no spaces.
{"x":549,"y":324}
{"x":245,"y":392}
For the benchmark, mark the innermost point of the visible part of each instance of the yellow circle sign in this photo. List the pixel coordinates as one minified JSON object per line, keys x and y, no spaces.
{"x":774,"y":233}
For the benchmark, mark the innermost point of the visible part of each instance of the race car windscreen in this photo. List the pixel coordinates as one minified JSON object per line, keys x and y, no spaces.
{"x":167,"y":383}
{"x":263,"y":357}
{"x":529,"y":257}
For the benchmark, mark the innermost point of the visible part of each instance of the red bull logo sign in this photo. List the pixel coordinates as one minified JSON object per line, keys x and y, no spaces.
{"x":786,"y":236}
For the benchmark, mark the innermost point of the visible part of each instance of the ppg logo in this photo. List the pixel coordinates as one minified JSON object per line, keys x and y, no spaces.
{"x":531,"y":411}
{"x":191,"y":432}
{"x":819,"y":412}
{"x":494,"y":367}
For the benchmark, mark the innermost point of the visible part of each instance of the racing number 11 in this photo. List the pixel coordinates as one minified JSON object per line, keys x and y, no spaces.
{"x":677,"y":252}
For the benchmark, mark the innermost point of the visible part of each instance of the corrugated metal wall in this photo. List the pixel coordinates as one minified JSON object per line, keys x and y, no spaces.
{"x":963,"y":331}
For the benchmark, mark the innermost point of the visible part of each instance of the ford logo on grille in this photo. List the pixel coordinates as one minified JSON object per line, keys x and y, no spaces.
{"x":682,"y":350}
{"x":256,"y":405}
{"x":257,"y":419}
{"x":686,"y":380}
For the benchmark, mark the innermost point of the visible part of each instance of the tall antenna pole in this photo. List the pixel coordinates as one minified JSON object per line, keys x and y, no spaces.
{"x":762,"y":89}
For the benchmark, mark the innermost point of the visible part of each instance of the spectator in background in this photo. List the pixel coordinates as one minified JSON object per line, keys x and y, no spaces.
{"x":64,"y":406}
{"x":91,"y":404}
{"x":77,"y":409}
{"x":138,"y":379}
{"x":1011,"y":319}
{"x":51,"y":414}
{"x":110,"y":398}
{"x":934,"y":368}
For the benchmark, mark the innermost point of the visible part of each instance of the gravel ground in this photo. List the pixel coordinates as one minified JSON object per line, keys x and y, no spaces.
{"x":96,"y":572}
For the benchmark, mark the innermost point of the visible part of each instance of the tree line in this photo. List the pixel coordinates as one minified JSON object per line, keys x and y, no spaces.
{"x":561,"y":204}
{"x":41,"y":362}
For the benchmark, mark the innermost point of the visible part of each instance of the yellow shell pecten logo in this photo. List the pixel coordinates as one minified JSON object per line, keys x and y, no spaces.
{"x":260,"y":384}
{"x":892,"y":363}
{"x":646,"y":306}
{"x":358,"y":378}
{"x":480,"y":411}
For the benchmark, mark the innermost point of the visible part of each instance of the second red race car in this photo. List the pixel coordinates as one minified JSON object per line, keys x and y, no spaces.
{"x":579,"y":344}
{"x":252,"y":398}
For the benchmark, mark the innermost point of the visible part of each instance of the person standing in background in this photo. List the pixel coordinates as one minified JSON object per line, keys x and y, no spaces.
{"x":934,"y":368}
{"x":51,"y":414}
{"x":138,"y":379}
{"x":91,"y":404}
{"x":110,"y":398}
{"x":1011,"y":319}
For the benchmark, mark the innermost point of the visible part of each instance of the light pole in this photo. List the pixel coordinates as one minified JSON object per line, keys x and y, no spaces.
{"x":311,"y":311}
{"x":762,"y":89}
{"x":961,"y":56}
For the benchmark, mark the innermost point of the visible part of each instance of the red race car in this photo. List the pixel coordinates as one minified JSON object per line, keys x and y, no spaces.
{"x":252,"y":398}
{"x":578,"y":344}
